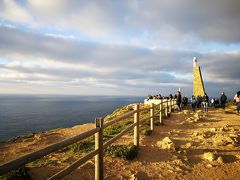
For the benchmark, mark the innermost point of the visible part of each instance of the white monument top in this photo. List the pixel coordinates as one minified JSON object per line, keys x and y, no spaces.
{"x":194,"y":61}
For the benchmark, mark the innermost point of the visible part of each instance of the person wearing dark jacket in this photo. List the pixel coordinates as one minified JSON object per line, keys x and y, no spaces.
{"x":205,"y":102}
{"x":179,"y":100}
{"x":193,"y":103}
{"x":223,"y":100}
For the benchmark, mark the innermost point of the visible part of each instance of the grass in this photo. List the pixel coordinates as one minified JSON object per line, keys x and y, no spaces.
{"x":45,"y":161}
{"x":85,"y":145}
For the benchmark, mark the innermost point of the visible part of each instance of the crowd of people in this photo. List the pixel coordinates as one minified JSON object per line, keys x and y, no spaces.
{"x":159,"y":96}
{"x":199,"y":101}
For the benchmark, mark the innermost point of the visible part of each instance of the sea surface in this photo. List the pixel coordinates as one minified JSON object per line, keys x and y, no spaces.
{"x":22,"y":114}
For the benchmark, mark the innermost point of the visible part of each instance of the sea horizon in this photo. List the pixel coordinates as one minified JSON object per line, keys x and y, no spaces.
{"x":21,"y":114}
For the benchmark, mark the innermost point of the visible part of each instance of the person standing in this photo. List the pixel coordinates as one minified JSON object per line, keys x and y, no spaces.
{"x":205,"y":102}
{"x":193,"y":103}
{"x":179,"y":100}
{"x":237,"y":100}
{"x":223,"y":100}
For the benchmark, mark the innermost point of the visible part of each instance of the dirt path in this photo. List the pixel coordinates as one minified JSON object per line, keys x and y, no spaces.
{"x":192,"y":140}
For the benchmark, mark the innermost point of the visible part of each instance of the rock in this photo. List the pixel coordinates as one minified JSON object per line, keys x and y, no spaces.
{"x":166,"y":143}
{"x":185,"y":158}
{"x":220,"y":160}
{"x":196,"y":116}
{"x":213,"y":129}
{"x":222,"y":140}
{"x":195,"y":133}
{"x":185,"y":112}
{"x":188,"y":145}
{"x":196,"y":120}
{"x":114,"y":177}
{"x":210,"y":156}
{"x":179,"y":152}
{"x":209,"y":166}
{"x":233,"y":135}
{"x":207,"y":134}
{"x":237,"y":156}
{"x":139,"y":175}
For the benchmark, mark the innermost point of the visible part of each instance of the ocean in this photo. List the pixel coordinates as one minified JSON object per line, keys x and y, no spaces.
{"x":22,"y":114}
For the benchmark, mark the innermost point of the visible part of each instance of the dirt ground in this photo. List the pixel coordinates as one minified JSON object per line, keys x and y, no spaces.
{"x":205,"y":146}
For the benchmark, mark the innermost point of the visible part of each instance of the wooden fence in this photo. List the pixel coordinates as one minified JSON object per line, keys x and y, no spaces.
{"x":165,"y":107}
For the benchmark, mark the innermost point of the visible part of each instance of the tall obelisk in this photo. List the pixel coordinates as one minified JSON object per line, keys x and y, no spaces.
{"x":198,"y":86}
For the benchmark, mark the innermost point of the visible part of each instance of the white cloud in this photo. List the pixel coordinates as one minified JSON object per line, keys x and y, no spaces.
{"x":13,"y":11}
{"x":118,"y":46}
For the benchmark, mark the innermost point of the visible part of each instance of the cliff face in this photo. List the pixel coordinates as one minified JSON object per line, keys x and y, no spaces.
{"x":198,"y":86}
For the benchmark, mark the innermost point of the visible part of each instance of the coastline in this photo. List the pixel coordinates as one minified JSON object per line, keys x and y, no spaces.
{"x":25,"y":144}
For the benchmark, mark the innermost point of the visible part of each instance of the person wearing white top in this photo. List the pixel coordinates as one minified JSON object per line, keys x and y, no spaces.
{"x":237,"y":100}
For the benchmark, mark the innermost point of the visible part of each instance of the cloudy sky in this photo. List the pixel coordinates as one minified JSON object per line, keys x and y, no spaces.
{"x":110,"y":47}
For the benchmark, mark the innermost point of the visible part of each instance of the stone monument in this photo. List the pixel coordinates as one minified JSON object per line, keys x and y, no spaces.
{"x":198,"y":86}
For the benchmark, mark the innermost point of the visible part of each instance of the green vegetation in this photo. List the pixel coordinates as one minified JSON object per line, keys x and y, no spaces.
{"x":114,"y":129}
{"x":147,"y":132}
{"x":85,"y":145}
{"x":123,"y":151}
{"x":18,"y":174}
{"x":45,"y":161}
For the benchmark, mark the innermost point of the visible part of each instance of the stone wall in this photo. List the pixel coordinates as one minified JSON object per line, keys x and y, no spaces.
{"x":154,"y":101}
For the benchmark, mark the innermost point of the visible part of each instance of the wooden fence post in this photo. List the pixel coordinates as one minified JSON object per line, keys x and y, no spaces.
{"x":136,"y":128}
{"x":99,"y":145}
{"x":166,"y":109}
{"x":152,"y":116}
{"x":170,"y":107}
{"x":173,"y":108}
{"x":160,"y":112}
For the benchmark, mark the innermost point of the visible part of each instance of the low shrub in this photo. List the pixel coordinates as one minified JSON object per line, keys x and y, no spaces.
{"x":18,"y":174}
{"x":113,"y":130}
{"x":147,"y":132}
{"x":157,"y":123}
{"x":43,"y":162}
{"x":82,"y":146}
{"x":123,"y":151}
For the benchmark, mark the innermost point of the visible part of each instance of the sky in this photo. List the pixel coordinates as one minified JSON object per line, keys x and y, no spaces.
{"x":127,"y":47}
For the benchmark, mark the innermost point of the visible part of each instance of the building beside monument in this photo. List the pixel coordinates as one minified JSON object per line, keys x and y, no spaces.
{"x":198,"y":86}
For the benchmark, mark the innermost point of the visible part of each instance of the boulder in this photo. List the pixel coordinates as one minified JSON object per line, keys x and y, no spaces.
{"x":213,"y":129}
{"x":210,"y":156}
{"x":185,"y":112}
{"x":196,"y":120}
{"x":222,"y":140}
{"x":166,"y":143}
{"x":188,"y":145}
{"x":196,"y":116}
{"x":220,"y":160}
